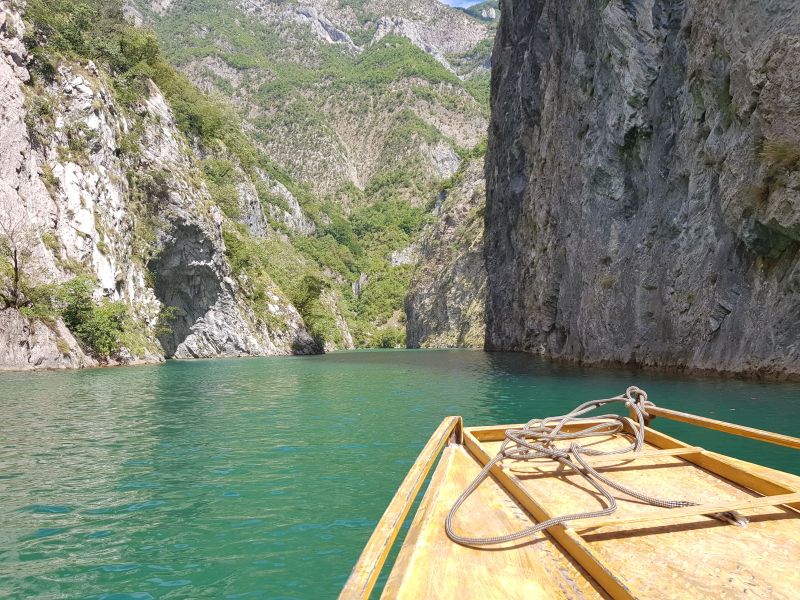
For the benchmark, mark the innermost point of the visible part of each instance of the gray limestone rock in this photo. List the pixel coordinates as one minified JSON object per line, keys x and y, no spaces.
{"x":445,"y":305}
{"x":642,"y":183}
{"x":127,"y":210}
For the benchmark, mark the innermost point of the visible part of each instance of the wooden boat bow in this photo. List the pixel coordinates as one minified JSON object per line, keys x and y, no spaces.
{"x":589,"y":557}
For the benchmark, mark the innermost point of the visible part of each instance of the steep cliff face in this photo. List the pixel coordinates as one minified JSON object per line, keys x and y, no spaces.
{"x":21,"y":341}
{"x":643,"y":183}
{"x":445,"y":303}
{"x":113,"y":194}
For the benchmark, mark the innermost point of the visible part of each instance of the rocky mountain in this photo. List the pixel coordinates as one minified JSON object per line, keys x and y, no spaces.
{"x":113,"y":246}
{"x":337,"y":114}
{"x":643,"y":183}
{"x":342,"y":94}
{"x":274,"y":210}
{"x":485,"y":11}
{"x":366,"y":107}
{"x":445,"y":304}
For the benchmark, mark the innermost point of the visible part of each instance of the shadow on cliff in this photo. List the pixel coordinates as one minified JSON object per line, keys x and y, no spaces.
{"x":186,"y":278}
{"x":308,"y":347}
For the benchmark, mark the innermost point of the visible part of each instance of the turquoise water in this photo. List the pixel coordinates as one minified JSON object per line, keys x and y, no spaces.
{"x":263,"y":478}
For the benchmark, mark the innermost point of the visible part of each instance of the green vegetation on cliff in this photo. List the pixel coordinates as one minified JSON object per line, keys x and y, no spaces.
{"x":352,"y":131}
{"x":355,"y":137}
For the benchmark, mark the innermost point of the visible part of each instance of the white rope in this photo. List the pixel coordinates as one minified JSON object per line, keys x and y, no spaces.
{"x":537,"y":440}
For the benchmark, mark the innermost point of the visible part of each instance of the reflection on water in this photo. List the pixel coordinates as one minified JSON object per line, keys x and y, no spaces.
{"x":263,"y":478}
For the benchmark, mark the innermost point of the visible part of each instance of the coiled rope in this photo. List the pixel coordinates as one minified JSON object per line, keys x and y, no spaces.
{"x":537,"y":440}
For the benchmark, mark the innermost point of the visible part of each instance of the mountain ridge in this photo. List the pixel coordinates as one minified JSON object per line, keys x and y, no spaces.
{"x":195,"y":242}
{"x":366,"y":105}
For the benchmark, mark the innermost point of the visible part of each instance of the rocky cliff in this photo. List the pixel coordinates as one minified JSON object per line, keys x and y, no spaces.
{"x":94,"y":190}
{"x":643,"y":182}
{"x":445,"y":303}
{"x":366,"y":106}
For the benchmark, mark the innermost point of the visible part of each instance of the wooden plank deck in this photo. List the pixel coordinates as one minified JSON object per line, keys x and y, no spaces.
{"x":430,"y":565}
{"x":654,"y":555}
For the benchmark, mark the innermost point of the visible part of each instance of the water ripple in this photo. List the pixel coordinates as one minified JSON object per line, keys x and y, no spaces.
{"x":263,"y":478}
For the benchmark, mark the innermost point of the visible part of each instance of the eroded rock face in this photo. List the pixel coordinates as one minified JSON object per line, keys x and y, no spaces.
{"x":35,"y":345}
{"x":161,"y":6}
{"x":290,"y":214}
{"x":115,"y":195}
{"x":24,"y":197}
{"x":321,"y":26}
{"x":445,"y":306}
{"x":642,"y":183}
{"x":412,"y":32}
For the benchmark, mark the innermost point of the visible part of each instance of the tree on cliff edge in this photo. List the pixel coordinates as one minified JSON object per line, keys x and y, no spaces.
{"x":18,"y":239}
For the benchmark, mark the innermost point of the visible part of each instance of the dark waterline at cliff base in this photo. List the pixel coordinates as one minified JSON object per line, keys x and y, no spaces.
{"x":263,"y":478}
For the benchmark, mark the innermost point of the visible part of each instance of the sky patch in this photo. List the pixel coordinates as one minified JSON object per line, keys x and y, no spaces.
{"x":461,"y":3}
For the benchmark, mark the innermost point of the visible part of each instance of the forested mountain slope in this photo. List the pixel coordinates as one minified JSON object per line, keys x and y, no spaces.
{"x":367,"y":107}
{"x":143,"y":217}
{"x":344,"y":95}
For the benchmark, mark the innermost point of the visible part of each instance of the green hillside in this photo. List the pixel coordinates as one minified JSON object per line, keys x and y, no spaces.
{"x":353,"y":128}
{"x":352,"y":139}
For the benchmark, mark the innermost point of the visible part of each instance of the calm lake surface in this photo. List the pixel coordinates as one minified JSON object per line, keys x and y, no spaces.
{"x":263,"y":478}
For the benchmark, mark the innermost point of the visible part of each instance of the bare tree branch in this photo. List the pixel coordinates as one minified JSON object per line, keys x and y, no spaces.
{"x":18,"y":240}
